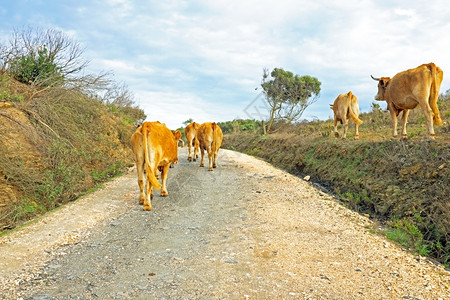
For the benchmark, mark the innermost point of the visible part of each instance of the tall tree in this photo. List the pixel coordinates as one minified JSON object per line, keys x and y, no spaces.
{"x":288,"y":95}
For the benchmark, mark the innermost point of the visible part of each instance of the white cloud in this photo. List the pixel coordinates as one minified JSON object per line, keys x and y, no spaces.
{"x":205,"y":58}
{"x":175,"y":108}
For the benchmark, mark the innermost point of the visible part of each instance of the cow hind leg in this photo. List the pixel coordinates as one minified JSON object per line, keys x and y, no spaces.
{"x":190,"y":151}
{"x":336,"y":133}
{"x":202,"y":152}
{"x":356,"y":131}
{"x":196,"y":149}
{"x":429,"y":116}
{"x":345,"y":125}
{"x":140,"y":171}
{"x":164,"y":173}
{"x":210,"y":158}
{"x":215,"y":158}
{"x":149,"y":196}
{"x":405,"y":115}
{"x":141,"y":193}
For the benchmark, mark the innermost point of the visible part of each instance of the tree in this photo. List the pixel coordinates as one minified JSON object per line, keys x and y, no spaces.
{"x":288,"y":95}
{"x":188,"y":121}
{"x":48,"y":58}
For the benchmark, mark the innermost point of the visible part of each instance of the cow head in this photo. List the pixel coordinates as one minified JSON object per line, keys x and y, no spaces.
{"x":383,"y":83}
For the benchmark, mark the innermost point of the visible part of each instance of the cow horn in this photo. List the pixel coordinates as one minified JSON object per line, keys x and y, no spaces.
{"x":377,"y":79}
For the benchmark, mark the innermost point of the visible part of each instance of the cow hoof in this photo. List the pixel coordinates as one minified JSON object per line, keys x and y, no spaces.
{"x":214,"y":166}
{"x":356,"y":137}
{"x":147,"y":207}
{"x":164,"y":194}
{"x":190,"y":159}
{"x":210,"y":169}
{"x":336,"y":134}
{"x":202,"y":165}
{"x":404,"y":137}
{"x":194,"y":159}
{"x":432,"y":136}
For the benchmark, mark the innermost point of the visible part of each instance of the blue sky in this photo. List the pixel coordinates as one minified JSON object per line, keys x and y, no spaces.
{"x":204,"y":59}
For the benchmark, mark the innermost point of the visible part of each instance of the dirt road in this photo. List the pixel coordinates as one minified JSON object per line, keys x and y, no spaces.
{"x":244,"y":231}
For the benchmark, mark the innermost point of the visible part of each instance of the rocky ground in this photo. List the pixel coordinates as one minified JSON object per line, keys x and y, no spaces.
{"x":244,"y":231}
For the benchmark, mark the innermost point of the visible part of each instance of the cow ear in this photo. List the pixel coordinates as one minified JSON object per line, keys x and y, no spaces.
{"x":177,"y":135}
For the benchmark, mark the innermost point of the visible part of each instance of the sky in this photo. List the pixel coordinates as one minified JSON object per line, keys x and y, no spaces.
{"x":204,"y":60}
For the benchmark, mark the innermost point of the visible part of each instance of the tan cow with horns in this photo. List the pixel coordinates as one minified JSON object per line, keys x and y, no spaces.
{"x":409,"y":89}
{"x":155,"y":148}
{"x":345,"y":107}
{"x":210,"y":138}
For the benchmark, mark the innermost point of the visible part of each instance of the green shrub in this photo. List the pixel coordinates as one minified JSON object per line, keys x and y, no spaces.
{"x":36,"y":67}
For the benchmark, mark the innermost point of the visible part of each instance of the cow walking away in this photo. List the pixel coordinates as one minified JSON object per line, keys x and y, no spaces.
{"x":345,"y":107}
{"x":191,"y":136}
{"x":210,"y":139}
{"x":409,"y":89}
{"x":155,"y":148}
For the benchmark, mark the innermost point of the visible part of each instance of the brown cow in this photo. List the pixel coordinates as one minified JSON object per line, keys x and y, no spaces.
{"x":155,"y":148}
{"x":190,"y":132}
{"x":409,"y":89}
{"x":210,"y":139}
{"x":345,"y":107}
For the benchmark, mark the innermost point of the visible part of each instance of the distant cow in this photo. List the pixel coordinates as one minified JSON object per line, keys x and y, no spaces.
{"x":345,"y":107}
{"x":409,"y":89}
{"x":155,"y":148}
{"x":210,"y":139}
{"x":191,"y":136}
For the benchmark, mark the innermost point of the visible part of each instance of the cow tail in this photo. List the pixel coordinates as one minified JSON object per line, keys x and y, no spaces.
{"x":434,"y":94}
{"x":213,"y":144}
{"x":350,"y":107}
{"x":148,"y":168}
{"x":195,"y":135}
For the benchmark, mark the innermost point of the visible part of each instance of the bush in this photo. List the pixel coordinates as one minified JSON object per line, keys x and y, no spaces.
{"x":36,"y":67}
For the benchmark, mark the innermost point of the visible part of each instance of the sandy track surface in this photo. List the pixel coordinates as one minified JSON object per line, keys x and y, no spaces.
{"x":244,"y":231}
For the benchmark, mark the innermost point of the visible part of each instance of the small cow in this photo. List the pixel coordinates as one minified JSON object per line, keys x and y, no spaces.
{"x":191,"y":136}
{"x":345,"y":107}
{"x":155,"y":148}
{"x":409,"y":89}
{"x":210,"y":139}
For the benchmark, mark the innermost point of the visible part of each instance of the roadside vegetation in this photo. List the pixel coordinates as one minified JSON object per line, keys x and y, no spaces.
{"x":62,"y":132}
{"x":405,"y":185}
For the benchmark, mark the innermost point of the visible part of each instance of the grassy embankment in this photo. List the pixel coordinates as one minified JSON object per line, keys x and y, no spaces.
{"x":403,"y":184}
{"x":56,"y":146}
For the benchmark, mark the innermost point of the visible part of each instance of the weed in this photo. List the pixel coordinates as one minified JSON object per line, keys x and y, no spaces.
{"x":408,"y":235}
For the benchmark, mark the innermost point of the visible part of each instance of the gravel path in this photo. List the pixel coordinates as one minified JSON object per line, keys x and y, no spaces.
{"x":244,"y":231}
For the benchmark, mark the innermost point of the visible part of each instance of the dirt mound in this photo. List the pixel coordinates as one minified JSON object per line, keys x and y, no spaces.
{"x":17,"y":154}
{"x":55,"y":147}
